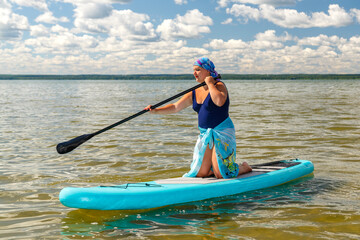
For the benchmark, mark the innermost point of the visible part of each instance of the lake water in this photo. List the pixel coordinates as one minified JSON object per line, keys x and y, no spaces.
{"x":274,"y":120}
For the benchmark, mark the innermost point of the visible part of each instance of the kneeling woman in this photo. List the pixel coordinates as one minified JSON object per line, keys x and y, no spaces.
{"x":215,"y":150}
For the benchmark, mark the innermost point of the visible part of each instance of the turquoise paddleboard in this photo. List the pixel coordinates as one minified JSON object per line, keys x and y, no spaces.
{"x":164,"y":192}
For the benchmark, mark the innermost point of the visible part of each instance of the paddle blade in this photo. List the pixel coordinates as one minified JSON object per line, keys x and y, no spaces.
{"x":68,"y":146}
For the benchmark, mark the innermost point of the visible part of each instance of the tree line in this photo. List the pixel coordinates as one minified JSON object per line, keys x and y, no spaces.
{"x":180,"y":77}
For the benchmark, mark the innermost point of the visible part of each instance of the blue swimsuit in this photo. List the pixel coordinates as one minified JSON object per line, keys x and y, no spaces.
{"x":210,"y":115}
{"x":216,"y":129}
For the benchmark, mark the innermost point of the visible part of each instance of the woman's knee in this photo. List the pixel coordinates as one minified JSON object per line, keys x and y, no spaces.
{"x":204,"y":171}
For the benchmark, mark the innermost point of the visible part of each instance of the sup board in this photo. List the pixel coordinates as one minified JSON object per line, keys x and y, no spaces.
{"x":159,"y":193}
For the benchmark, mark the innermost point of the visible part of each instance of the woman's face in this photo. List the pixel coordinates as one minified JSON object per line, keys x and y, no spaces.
{"x":200,"y":73}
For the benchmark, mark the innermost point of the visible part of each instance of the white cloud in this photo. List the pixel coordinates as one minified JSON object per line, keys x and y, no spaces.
{"x":288,"y":18}
{"x":227,"y":21}
{"x":99,"y":16}
{"x":4,"y":4}
{"x":191,"y":25}
{"x":100,"y":2}
{"x":322,"y":40}
{"x":245,"y":12}
{"x":124,"y":24}
{"x":62,"y":41}
{"x":225,"y":3}
{"x":120,"y":1}
{"x":48,"y":17}
{"x":352,"y":48}
{"x":180,"y":2}
{"x":291,"y":18}
{"x":336,"y":17}
{"x":93,"y":10}
{"x":266,"y":40}
{"x":77,"y":2}
{"x":271,"y":53}
{"x":356,"y":13}
{"x":219,"y":44}
{"x":39,"y":30}
{"x":12,"y":25}
{"x":38,"y":4}
{"x":59,"y":29}
{"x":130,"y":25}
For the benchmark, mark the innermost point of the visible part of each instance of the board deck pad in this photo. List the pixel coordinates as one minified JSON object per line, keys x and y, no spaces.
{"x":257,"y":170}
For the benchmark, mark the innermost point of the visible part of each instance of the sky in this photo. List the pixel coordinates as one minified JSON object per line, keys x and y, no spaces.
{"x":167,"y":36}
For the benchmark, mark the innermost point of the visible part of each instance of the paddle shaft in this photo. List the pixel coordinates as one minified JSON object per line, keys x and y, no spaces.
{"x":68,"y":146}
{"x":153,"y":107}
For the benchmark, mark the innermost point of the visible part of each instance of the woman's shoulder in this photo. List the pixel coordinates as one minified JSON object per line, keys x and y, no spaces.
{"x":220,"y":85}
{"x":219,"y":82}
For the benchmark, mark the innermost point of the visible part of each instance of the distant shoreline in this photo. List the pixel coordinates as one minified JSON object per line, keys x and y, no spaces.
{"x":180,"y":77}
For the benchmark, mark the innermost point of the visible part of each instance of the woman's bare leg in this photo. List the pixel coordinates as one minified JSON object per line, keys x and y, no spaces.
{"x":209,"y":161}
{"x":215,"y":164}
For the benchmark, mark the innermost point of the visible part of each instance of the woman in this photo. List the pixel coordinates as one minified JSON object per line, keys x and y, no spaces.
{"x":215,"y":150}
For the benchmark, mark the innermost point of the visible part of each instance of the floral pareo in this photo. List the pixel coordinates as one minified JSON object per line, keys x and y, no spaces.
{"x":222,"y":137}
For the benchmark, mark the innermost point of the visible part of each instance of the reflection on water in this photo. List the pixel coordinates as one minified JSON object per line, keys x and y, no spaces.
{"x":275,"y":120}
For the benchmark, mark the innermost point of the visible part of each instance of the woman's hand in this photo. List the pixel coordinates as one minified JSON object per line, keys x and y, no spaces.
{"x":210,"y":80}
{"x":150,"y":109}
{"x":218,"y":92}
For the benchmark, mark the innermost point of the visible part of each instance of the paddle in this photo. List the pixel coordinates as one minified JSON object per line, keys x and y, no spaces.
{"x":70,"y":145}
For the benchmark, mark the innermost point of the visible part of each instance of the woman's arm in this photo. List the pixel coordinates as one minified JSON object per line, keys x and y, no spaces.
{"x":218,"y":92}
{"x":182,"y":103}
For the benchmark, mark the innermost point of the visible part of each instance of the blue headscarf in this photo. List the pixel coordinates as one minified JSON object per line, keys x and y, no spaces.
{"x":205,"y":63}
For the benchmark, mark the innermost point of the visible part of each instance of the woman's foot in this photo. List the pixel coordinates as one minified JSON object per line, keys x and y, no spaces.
{"x":244,"y":168}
